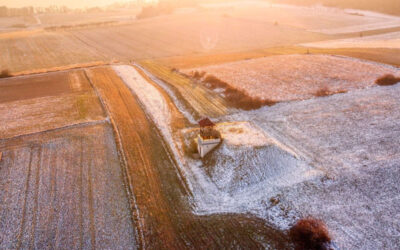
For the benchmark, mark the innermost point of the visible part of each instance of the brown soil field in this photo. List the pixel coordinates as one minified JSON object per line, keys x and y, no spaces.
{"x":52,"y":84}
{"x":24,"y":51}
{"x":64,"y":189}
{"x":171,"y":35}
{"x":198,"y":32}
{"x":36,"y":103}
{"x":164,"y":216}
{"x":297,"y":77}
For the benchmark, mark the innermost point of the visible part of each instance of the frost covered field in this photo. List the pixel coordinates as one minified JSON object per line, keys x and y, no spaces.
{"x":297,"y":77}
{"x":387,"y":40}
{"x":353,"y":139}
{"x":333,"y":157}
{"x":317,"y":18}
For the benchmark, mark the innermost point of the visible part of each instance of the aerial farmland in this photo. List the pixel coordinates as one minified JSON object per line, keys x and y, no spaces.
{"x":106,"y":112}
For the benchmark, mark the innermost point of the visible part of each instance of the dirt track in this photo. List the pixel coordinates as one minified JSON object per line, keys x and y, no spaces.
{"x":164,"y":217}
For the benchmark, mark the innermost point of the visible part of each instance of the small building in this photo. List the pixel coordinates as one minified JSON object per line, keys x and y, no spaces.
{"x":208,"y":138}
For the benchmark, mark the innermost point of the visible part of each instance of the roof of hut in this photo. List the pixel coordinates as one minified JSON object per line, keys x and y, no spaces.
{"x":206,"y":123}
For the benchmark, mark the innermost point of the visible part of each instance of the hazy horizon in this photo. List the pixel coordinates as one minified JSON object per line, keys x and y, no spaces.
{"x":68,"y":3}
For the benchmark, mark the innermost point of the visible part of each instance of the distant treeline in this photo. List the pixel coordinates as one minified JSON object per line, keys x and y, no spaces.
{"x":79,"y":26}
{"x":385,"y":6}
{"x":29,"y":11}
{"x":164,"y":7}
{"x":8,"y":12}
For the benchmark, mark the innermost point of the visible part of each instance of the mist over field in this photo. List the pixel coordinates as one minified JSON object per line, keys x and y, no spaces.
{"x":68,"y":3}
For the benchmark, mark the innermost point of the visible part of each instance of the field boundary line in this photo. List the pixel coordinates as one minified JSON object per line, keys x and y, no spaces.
{"x":64,"y":68}
{"x":21,"y":231}
{"x":168,"y":148}
{"x":124,"y":163}
{"x":36,"y":199}
{"x":71,"y":126}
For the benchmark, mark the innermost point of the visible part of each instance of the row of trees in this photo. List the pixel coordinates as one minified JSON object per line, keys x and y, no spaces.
{"x":164,"y":7}
{"x":29,"y":11}
{"x":6,"y":12}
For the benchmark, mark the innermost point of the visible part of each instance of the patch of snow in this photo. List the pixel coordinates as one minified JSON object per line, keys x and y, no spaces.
{"x":354,"y":139}
{"x":171,"y":94}
{"x":149,"y":96}
{"x":242,"y":134}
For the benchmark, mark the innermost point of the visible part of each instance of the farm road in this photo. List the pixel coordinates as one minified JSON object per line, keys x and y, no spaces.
{"x":161,"y":204}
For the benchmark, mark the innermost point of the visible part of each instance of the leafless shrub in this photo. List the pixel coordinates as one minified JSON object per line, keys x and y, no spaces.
{"x":310,"y":234}
{"x":198,"y":75}
{"x":387,"y":80}
{"x":237,"y":98}
{"x":215,"y":82}
{"x":323,"y":92}
{"x":79,"y":26}
{"x":5,"y":73}
{"x":162,"y":8}
{"x":19,"y":26}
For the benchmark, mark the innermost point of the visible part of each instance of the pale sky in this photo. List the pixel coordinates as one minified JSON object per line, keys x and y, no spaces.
{"x":68,"y":3}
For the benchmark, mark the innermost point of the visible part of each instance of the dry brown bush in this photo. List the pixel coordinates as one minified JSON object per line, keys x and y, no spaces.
{"x":162,"y":8}
{"x":214,"y":82}
{"x":310,"y":234}
{"x":5,"y":73}
{"x":387,"y":80}
{"x":322,"y":92}
{"x":236,"y":97}
{"x":198,"y":75}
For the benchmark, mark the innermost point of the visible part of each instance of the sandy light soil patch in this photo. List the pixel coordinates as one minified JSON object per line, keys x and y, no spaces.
{"x":297,"y":77}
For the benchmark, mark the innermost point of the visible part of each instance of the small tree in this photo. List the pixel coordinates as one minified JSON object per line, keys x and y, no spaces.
{"x":5,"y":73}
{"x":387,"y":80}
{"x":310,"y":234}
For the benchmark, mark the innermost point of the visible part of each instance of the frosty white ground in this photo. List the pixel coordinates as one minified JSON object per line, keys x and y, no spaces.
{"x":339,"y":162}
{"x":354,"y":139}
{"x":297,"y":77}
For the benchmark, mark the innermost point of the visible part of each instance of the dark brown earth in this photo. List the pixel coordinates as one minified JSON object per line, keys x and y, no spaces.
{"x":40,"y":85}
